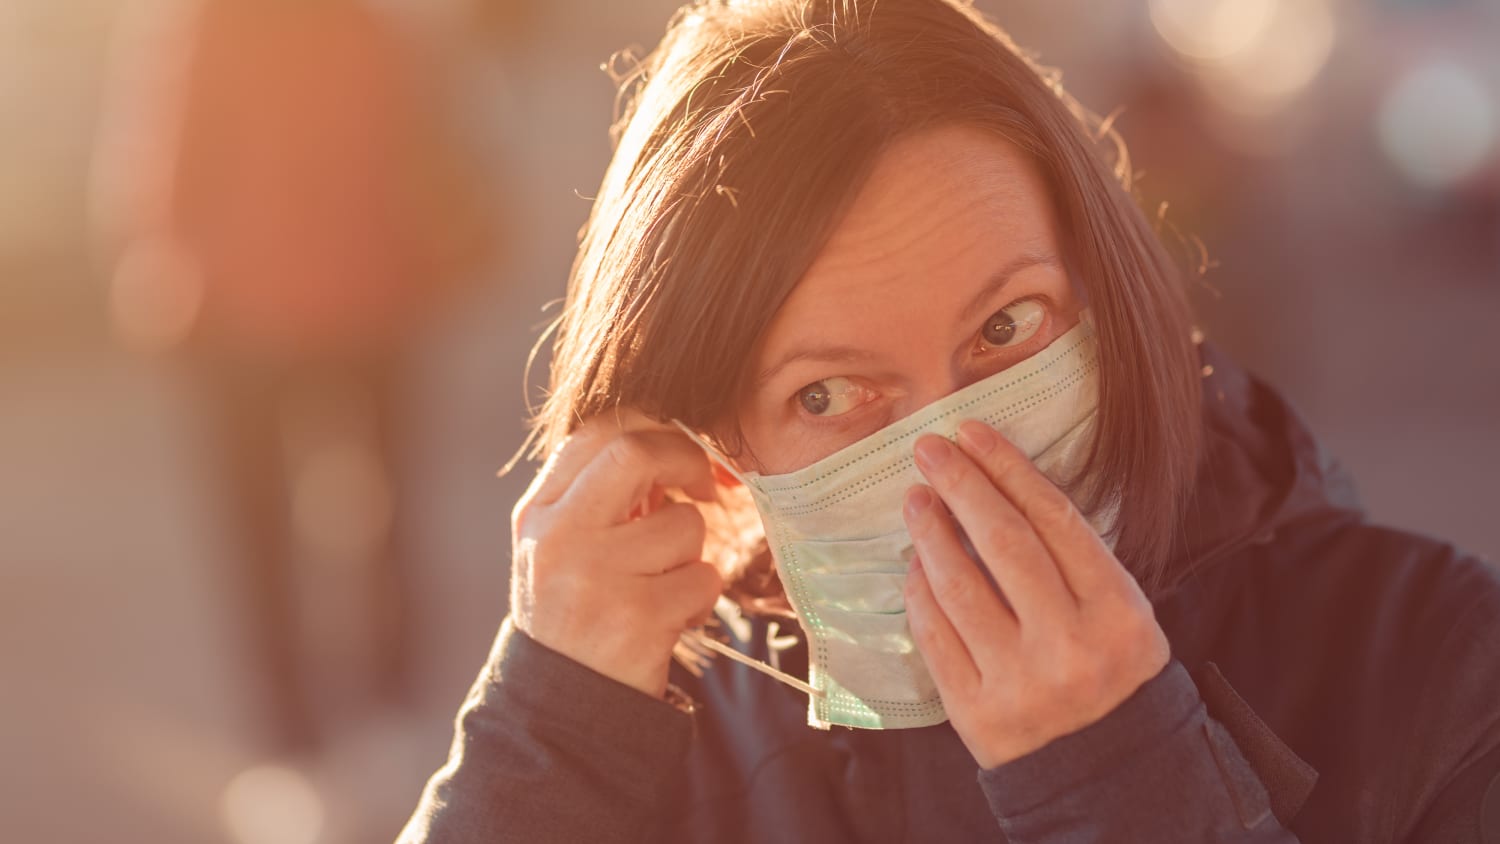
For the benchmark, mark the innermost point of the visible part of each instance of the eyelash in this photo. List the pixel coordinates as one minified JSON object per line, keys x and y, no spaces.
{"x":979,"y":342}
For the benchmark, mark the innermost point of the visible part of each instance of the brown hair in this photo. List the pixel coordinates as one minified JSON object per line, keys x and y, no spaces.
{"x":741,"y":140}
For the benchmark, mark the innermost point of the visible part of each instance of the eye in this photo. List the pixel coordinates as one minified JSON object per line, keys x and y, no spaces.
{"x":1014,"y":324}
{"x":831,"y":396}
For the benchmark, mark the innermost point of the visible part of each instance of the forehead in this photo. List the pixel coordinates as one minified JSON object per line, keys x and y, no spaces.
{"x":941,"y":210}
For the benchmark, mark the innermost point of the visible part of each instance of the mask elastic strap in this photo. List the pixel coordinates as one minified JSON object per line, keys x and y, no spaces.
{"x":698,"y":637}
{"x":714,"y":455}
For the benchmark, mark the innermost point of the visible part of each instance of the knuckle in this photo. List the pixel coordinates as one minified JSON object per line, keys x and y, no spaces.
{"x":589,"y":432}
{"x":1068,"y":658}
{"x":628,"y":452}
{"x":922,"y":630}
{"x":548,"y":579}
{"x":996,"y":535}
{"x":689,"y":523}
{"x":1075,"y":677}
{"x":694,"y":542}
{"x":554,"y":564}
{"x":711,"y":583}
{"x":624,"y":607}
{"x":1050,"y":506}
{"x":1126,"y":625}
{"x":1062,"y":653}
{"x":1110,"y":602}
{"x":677,"y":534}
{"x":1028,"y":710}
{"x":520,"y":516}
{"x":951,"y":592}
{"x":1136,"y":627}
{"x":914,"y":591}
{"x":1006,"y":472}
{"x":631,"y":616}
{"x":693,"y":597}
{"x":969,"y":479}
{"x":1078,"y":641}
{"x":1121,"y":600}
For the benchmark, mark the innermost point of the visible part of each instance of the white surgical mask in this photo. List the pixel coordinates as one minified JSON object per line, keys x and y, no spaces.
{"x":842,"y":548}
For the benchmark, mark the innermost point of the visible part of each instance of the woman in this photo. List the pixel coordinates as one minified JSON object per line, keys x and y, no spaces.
{"x":1074,"y":577}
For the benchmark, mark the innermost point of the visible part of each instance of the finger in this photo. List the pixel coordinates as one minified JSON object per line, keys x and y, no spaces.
{"x":955,"y":580}
{"x":623,"y":473}
{"x":1006,"y":544}
{"x":576,"y":451}
{"x":685,"y":596}
{"x":1084,"y":561}
{"x":661,"y":541}
{"x":943,"y":649}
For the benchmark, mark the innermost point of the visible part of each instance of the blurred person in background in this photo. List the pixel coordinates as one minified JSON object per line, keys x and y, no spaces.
{"x":289,"y":209}
{"x":867,"y":332}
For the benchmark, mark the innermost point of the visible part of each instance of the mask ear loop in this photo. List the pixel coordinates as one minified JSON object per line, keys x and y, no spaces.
{"x":715,"y":456}
{"x":696,"y":639}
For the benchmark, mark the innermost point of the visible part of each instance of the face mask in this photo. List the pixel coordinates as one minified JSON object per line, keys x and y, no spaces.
{"x":842,"y":549}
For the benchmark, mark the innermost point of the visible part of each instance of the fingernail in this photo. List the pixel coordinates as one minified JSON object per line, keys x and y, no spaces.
{"x":918,"y":501}
{"x":932,"y":451}
{"x":979,"y":437}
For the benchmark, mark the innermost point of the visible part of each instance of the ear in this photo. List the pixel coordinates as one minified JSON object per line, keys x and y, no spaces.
{"x":722,"y":476}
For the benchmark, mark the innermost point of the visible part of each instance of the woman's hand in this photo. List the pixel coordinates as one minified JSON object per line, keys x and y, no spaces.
{"x":1072,"y":638}
{"x":604,"y":569}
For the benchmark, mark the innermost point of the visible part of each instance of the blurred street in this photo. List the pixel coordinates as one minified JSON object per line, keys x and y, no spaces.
{"x":1369,"y":294}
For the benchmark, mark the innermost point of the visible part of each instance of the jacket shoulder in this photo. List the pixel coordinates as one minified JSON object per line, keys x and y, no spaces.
{"x":1373,"y":652}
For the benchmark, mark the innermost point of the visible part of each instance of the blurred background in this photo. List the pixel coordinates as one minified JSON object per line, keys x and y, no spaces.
{"x":252,"y":545}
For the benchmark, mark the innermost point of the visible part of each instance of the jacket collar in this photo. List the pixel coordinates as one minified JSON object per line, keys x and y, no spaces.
{"x":1260,"y":469}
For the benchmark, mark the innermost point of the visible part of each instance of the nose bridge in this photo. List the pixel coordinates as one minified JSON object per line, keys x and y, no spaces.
{"x":936,"y":378}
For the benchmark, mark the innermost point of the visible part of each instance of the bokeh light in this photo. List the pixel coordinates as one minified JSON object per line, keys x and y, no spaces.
{"x":1211,"y":30}
{"x":1335,"y":165}
{"x":155,"y":295}
{"x":1438,"y":125}
{"x":341,"y":501}
{"x":272,"y":804}
{"x":1252,"y":57}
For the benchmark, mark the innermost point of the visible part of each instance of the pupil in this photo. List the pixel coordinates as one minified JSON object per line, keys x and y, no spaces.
{"x":999,"y":328}
{"x":815,"y":399}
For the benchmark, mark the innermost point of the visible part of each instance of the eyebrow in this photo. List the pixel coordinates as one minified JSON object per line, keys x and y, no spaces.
{"x":852,"y":354}
{"x":997,"y":282}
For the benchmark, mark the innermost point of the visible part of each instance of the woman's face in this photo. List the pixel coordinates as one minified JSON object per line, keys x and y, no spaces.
{"x":946,"y":269}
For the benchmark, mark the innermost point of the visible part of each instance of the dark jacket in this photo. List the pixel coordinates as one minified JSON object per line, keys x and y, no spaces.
{"x":1332,"y":681}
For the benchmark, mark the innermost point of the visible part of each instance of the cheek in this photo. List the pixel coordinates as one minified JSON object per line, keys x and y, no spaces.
{"x":772,"y":447}
{"x":756,"y":439}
